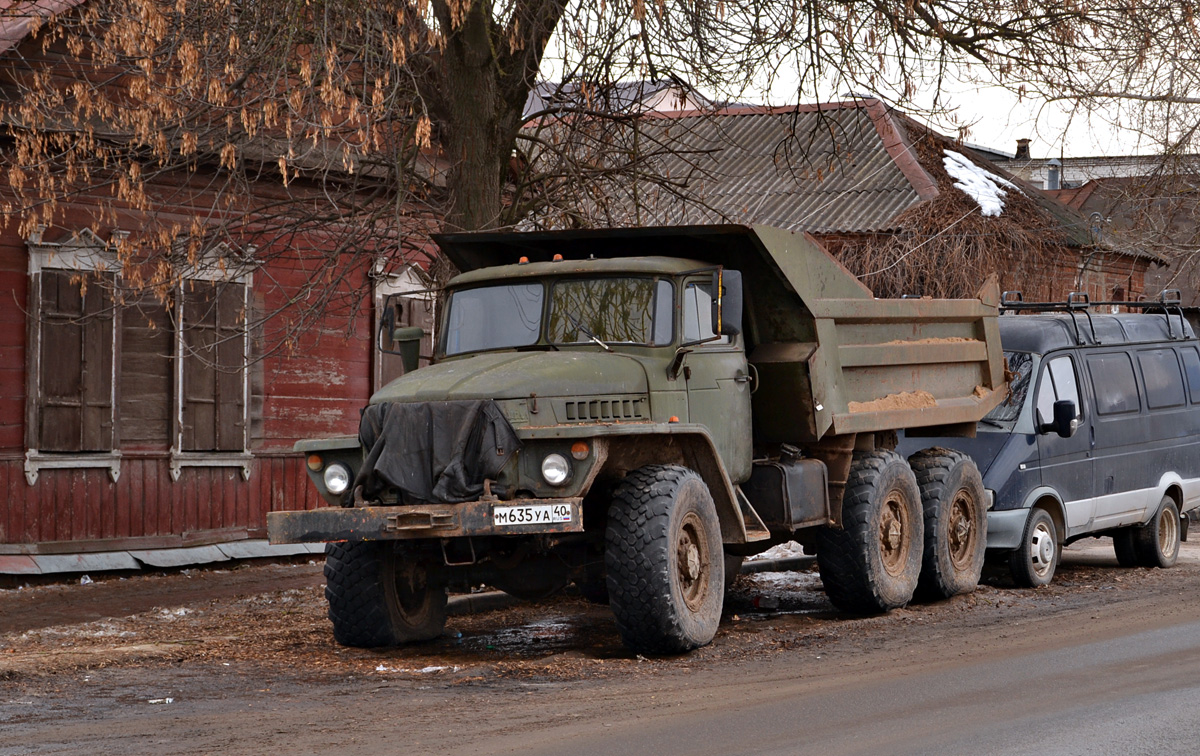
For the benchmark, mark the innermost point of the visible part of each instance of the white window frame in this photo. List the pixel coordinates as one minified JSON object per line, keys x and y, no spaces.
{"x":209,"y":268}
{"x":84,"y":252}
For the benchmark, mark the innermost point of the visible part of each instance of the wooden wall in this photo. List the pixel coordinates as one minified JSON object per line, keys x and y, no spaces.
{"x":314,"y":389}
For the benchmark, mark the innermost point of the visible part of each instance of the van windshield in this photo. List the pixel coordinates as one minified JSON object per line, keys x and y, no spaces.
{"x":1018,"y":367}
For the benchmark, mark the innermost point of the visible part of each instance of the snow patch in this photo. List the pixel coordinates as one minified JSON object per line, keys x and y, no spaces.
{"x":982,"y":186}
{"x":787,"y":550}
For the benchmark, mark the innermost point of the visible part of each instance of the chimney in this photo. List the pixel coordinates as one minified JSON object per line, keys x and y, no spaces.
{"x":1054,"y":174}
{"x":1022,"y":149}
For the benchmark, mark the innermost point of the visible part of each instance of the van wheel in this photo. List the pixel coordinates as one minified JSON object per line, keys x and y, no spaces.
{"x":871,"y":564}
{"x":1157,"y":542}
{"x":1033,"y":564}
{"x":1124,"y":547}
{"x":953,"y":498}
{"x":665,"y":561}
{"x":381,"y":595}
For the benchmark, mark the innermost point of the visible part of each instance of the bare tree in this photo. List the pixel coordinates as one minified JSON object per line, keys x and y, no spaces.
{"x":341,"y":133}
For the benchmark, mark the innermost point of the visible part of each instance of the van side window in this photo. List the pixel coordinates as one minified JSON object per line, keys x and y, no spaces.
{"x":1191,"y":365}
{"x":1113,"y":382}
{"x":1160,"y":373}
{"x":1058,"y":383}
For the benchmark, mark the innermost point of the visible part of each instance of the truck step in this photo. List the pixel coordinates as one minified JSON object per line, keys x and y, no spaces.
{"x":755,"y":529}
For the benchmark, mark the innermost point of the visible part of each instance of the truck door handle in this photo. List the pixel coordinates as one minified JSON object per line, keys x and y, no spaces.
{"x":741,"y":377}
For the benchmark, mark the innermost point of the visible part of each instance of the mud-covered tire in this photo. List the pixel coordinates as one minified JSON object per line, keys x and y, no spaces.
{"x":871,"y":564}
{"x":1156,"y":544}
{"x":664,"y":560}
{"x":1124,"y":548}
{"x":1034,"y":562}
{"x":381,"y":595}
{"x":954,"y":503}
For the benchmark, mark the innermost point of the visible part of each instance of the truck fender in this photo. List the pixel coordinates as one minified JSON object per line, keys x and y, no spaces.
{"x":687,"y":445}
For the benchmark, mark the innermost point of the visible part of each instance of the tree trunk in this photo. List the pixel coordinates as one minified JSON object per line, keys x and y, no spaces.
{"x":477,"y":125}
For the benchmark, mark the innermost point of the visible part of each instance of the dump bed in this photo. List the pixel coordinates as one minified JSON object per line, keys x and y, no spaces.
{"x":830,"y":357}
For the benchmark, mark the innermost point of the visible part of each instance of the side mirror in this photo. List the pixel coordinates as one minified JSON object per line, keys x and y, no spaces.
{"x":727,"y":302}
{"x":407,"y":341}
{"x":1065,"y":422}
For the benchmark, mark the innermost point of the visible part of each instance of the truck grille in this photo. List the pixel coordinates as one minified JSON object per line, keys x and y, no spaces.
{"x":610,"y":410}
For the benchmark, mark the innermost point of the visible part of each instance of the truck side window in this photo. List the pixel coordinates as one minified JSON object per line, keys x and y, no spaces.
{"x":1114,"y":384}
{"x":697,"y":318}
{"x":1164,"y":382}
{"x":1191,"y":366}
{"x":1058,"y":383}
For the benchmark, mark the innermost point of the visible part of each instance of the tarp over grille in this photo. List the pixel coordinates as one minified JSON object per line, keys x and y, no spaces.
{"x":438,"y":452}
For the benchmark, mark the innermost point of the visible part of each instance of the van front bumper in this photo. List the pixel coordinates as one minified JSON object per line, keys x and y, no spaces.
{"x":471,"y":518}
{"x":1006,"y":528}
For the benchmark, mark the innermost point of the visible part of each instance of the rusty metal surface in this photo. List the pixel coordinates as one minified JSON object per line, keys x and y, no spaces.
{"x":473,"y":518}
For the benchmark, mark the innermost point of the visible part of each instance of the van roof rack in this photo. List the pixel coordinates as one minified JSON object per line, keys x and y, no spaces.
{"x":1169,"y":301}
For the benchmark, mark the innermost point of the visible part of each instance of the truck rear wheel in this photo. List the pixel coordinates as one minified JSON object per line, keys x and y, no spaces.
{"x":953,"y":499}
{"x":381,"y":595}
{"x":664,"y":560}
{"x":1156,"y":544}
{"x":872,"y":563}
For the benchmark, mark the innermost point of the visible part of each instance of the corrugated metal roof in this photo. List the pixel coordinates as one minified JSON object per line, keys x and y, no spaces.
{"x":823,"y":171}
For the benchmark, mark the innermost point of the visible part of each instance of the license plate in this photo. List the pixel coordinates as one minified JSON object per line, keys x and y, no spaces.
{"x":538,"y":514}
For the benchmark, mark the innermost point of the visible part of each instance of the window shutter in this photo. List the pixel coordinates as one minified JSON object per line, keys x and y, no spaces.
{"x":75,"y":412}
{"x":214,"y":367}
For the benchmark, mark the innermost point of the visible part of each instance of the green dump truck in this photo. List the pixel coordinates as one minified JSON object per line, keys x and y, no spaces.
{"x":636,"y":411}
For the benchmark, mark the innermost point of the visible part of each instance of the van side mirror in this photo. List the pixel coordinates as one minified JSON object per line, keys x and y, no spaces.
{"x":727,"y":302}
{"x":1065,"y":422}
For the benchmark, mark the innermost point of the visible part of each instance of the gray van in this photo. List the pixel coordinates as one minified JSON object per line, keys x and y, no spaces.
{"x":1100,"y":435}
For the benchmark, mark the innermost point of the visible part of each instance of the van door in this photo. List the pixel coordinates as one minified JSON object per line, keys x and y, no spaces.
{"x":1067,"y":464}
{"x":1128,"y":458}
{"x":718,"y":382}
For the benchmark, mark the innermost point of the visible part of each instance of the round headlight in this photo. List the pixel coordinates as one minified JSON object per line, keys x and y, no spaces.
{"x":555,"y":469}
{"x":337,"y":479}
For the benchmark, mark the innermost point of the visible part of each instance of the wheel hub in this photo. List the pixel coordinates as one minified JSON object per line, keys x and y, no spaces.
{"x":961,"y":538}
{"x":1042,"y":548}
{"x":1167,"y":533}
{"x":893,"y":534}
{"x":691,"y":561}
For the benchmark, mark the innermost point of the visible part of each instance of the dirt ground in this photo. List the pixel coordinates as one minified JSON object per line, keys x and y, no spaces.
{"x":257,"y":636}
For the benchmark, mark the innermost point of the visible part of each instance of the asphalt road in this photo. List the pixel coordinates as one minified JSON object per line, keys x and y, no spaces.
{"x":1108,"y":662}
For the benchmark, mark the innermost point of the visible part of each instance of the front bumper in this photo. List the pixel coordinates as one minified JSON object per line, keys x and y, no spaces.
{"x":472,"y":518}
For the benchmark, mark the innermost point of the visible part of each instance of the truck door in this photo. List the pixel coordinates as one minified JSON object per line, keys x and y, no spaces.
{"x":1067,"y":463}
{"x":718,"y":382}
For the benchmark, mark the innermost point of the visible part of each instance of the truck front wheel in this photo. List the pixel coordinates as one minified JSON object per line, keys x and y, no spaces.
{"x":664,"y":560}
{"x":381,"y":594}
{"x":952,"y":496}
{"x":872,"y":563}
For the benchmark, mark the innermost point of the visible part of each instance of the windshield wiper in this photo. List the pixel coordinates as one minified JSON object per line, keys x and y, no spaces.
{"x":593,"y":337}
{"x":990,"y":421}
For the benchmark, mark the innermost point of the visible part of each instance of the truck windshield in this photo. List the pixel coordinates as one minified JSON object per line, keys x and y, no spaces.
{"x":1019,"y":369}
{"x":494,"y":317}
{"x":612,"y":310}
{"x":582,"y":310}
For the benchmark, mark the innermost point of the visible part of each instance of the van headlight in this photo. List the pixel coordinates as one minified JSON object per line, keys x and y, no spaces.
{"x":555,"y":469}
{"x":337,"y":479}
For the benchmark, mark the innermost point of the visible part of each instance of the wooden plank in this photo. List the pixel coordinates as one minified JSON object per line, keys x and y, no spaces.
{"x":133,"y":475}
{"x":911,"y":353}
{"x":146,"y":374}
{"x":172,"y":505}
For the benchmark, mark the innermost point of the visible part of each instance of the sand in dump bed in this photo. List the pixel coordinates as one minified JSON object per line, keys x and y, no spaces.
{"x":903,"y":401}
{"x":931,"y":340}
